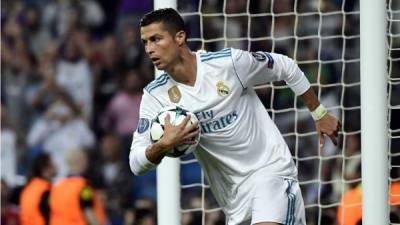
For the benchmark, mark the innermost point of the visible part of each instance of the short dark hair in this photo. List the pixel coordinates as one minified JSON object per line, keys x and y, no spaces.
{"x":39,"y":164}
{"x":169,"y":17}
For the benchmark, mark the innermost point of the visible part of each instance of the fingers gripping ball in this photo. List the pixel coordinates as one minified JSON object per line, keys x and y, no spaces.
{"x":177,"y":115}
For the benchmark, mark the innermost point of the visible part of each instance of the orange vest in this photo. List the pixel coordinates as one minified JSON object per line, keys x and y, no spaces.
{"x":30,"y":199}
{"x":394,"y":194}
{"x":350,"y":208}
{"x":65,"y":203}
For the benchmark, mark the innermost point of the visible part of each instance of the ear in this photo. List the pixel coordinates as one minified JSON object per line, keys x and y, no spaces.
{"x":180,"y":37}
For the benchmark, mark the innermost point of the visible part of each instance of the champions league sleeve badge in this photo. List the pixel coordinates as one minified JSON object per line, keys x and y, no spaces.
{"x":174,"y":94}
{"x":259,"y":56}
{"x":262,"y":56}
{"x":143,"y":125}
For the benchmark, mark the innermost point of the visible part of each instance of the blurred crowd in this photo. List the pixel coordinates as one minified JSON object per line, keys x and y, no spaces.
{"x":71,"y":79}
{"x":72,"y":74}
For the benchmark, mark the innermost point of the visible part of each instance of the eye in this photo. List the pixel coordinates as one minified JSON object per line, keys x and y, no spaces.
{"x":155,"y":39}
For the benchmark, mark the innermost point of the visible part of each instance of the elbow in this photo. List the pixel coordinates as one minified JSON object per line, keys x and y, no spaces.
{"x":137,"y":164}
{"x":136,"y":171}
{"x":135,"y":167}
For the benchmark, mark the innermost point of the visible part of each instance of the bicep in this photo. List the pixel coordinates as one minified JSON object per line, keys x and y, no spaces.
{"x":254,"y":68}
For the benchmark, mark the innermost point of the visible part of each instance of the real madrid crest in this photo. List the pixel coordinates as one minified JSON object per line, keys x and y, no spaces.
{"x":222,"y":89}
{"x":174,"y":94}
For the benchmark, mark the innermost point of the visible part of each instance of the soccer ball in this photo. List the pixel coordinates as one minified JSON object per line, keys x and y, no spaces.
{"x":177,"y":115}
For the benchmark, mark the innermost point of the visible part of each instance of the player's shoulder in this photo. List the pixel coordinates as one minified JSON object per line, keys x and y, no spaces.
{"x":224,"y":54}
{"x":158,"y":83}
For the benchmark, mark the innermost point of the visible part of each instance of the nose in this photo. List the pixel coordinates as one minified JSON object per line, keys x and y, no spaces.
{"x":149,"y":48}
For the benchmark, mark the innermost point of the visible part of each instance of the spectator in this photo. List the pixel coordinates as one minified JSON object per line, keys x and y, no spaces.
{"x":118,"y":182}
{"x":44,"y":93}
{"x":9,"y":211}
{"x":122,"y":113}
{"x":349,"y":211}
{"x":142,"y":213}
{"x":132,"y":52}
{"x":17,"y":72}
{"x":74,"y":191}
{"x":11,"y":139}
{"x":59,"y":131}
{"x":34,"y":200}
{"x":394,"y":199}
{"x":107,"y":66}
{"x":60,"y":17}
{"x":38,"y":37}
{"x":195,"y":217}
{"x":73,"y":72}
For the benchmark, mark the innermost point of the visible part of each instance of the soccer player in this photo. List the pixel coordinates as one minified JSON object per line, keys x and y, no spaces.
{"x":244,"y":156}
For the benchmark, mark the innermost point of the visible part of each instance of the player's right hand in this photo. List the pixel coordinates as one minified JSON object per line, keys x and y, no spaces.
{"x":178,"y":135}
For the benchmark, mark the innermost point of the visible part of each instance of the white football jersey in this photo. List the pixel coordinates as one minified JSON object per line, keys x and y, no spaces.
{"x":239,"y":141}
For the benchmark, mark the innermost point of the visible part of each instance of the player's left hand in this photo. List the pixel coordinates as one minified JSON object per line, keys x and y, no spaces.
{"x":328,"y":125}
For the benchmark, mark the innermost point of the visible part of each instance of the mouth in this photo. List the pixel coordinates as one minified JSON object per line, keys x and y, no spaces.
{"x":155,"y":60}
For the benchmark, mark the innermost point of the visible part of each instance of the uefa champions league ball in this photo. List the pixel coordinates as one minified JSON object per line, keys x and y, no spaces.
{"x":177,"y":115}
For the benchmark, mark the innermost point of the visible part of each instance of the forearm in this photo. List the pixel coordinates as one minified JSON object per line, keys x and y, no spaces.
{"x":310,"y":99}
{"x":326,"y":124}
{"x":143,"y":159}
{"x":156,"y":152}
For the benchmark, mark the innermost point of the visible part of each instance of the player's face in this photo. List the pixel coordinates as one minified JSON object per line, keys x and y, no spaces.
{"x":160,"y":45}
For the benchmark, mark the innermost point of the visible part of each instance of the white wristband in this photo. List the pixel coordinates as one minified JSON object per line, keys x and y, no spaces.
{"x":319,"y":112}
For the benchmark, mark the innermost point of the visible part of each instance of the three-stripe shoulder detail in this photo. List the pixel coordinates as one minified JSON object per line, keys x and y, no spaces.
{"x":159,"y":81}
{"x":215,"y":55}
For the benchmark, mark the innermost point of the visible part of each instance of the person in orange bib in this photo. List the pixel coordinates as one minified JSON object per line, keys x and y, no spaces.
{"x":34,"y":200}
{"x":350,"y":209}
{"x":394,"y":200}
{"x":72,"y":200}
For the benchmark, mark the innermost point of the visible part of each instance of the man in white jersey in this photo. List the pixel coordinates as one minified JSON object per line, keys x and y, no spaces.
{"x":244,"y":156}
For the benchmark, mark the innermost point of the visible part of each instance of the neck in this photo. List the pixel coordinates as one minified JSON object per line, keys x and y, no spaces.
{"x":185,"y":67}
